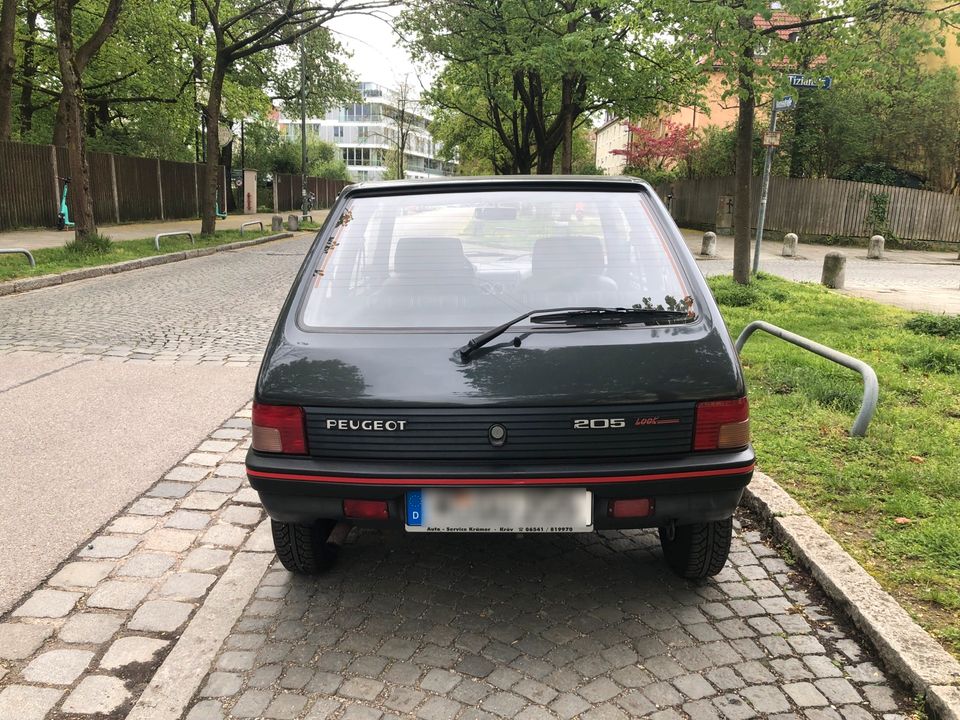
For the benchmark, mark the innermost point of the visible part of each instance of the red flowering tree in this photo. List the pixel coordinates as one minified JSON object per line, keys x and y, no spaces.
{"x":658,"y":149}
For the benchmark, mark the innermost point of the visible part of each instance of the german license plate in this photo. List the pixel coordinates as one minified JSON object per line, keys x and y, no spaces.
{"x":485,"y":510}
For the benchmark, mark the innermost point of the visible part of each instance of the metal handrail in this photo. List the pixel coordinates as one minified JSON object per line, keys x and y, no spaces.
{"x":252,"y":222}
{"x":871,"y":388}
{"x":156,"y":240}
{"x":19,"y":251}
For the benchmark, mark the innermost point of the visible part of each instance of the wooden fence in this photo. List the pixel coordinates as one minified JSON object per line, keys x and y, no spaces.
{"x":124,"y":188}
{"x":287,"y":190}
{"x":823,"y":207}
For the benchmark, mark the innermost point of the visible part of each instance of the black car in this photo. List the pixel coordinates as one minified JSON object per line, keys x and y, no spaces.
{"x":511,"y":354}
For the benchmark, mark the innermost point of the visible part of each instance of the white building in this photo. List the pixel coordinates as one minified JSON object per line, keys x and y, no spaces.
{"x":364,"y":133}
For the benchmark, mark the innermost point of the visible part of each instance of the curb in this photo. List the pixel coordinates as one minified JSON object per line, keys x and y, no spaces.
{"x":905,"y":648}
{"x":12,"y":287}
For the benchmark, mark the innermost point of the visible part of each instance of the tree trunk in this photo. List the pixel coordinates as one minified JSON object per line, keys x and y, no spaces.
{"x":742,"y":205}
{"x":72,"y":94}
{"x":27,"y":74}
{"x":61,"y":120}
{"x":209,"y":222}
{"x":8,"y":64}
{"x":566,"y":158}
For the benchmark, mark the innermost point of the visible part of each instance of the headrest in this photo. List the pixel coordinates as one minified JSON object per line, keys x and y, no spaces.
{"x":431,"y":256}
{"x":568,"y":254}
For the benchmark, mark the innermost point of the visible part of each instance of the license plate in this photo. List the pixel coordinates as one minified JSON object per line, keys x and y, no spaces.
{"x":530,"y":510}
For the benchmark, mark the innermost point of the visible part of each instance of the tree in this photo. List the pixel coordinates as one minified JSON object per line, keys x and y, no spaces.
{"x":71,"y":61}
{"x":241,"y":31}
{"x":8,"y":23}
{"x":528,"y":70}
{"x":401,"y":117}
{"x":654,"y":149}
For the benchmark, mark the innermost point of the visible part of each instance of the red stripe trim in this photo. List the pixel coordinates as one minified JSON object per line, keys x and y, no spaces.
{"x":420,"y":482}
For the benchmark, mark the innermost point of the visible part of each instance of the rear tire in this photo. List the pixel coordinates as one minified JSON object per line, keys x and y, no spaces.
{"x":303,"y":549}
{"x":699,"y":550}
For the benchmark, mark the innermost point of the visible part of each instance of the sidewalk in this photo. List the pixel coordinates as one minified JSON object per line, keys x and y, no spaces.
{"x":34,"y":239}
{"x":911,"y":279}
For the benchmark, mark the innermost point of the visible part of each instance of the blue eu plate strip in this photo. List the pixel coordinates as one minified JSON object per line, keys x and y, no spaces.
{"x":415,"y":507}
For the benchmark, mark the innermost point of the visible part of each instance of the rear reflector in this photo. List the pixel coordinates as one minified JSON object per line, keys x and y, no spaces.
{"x":366,"y":509}
{"x":722,"y":424}
{"x":279,"y":429}
{"x":641,"y":507}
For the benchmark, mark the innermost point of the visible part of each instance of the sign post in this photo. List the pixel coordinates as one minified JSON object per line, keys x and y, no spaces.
{"x":771,"y":142}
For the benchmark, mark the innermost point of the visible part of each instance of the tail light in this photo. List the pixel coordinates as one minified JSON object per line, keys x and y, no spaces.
{"x":722,"y":424}
{"x":639,"y":507}
{"x":366,"y":509}
{"x":279,"y":429}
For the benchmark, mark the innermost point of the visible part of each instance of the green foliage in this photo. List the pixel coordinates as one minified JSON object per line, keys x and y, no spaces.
{"x":93,"y":244}
{"x":801,"y":406}
{"x":947,"y":326}
{"x":877,"y":214}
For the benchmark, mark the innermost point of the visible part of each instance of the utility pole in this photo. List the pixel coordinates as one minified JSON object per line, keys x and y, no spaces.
{"x":771,"y":141}
{"x":304,"y":209}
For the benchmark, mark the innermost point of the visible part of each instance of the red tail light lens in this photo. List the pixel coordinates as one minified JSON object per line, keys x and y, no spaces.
{"x":722,"y":424}
{"x":366,"y":509}
{"x":279,"y":429}
{"x":640,"y":507}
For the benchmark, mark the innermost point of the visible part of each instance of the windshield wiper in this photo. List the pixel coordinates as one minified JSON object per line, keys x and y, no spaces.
{"x":576,"y":316}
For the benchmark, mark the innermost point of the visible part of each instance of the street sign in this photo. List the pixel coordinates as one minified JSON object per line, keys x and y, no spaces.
{"x":785,"y":104}
{"x":771,"y":139}
{"x":816,"y":83}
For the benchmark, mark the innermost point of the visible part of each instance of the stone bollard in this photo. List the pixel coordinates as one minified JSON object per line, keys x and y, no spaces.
{"x":875,"y":248}
{"x":293,"y":223}
{"x":834,"y":268}
{"x":276,"y":223}
{"x":790,"y":241}
{"x":709,"y":246}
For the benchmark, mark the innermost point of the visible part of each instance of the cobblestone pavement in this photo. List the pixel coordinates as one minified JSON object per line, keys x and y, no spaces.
{"x":436,"y":627}
{"x":215,"y":309}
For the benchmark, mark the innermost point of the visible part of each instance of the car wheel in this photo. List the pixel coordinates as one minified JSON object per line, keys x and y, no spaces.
{"x":304,"y":549}
{"x":699,"y":550}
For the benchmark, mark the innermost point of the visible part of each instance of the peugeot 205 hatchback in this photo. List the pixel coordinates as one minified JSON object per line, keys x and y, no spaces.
{"x":523,"y":355}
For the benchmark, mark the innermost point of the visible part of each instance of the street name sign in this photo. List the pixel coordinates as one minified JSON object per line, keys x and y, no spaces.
{"x":817,"y":83}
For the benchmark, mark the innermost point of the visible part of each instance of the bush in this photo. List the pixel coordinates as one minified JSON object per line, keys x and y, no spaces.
{"x":94,"y":244}
{"x":929,"y":324}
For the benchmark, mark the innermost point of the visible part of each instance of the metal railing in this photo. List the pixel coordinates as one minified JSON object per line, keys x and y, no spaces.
{"x":156,"y":240}
{"x":19,"y":251}
{"x":250,"y":224}
{"x":871,"y":388}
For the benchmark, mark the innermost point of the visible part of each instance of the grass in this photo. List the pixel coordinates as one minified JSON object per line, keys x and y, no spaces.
{"x":892,"y":498}
{"x":60,"y":259}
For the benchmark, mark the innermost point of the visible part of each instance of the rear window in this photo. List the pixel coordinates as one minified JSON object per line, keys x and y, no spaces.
{"x":475,"y":259}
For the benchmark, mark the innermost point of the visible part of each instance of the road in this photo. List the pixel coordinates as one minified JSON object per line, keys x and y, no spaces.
{"x":105,"y":383}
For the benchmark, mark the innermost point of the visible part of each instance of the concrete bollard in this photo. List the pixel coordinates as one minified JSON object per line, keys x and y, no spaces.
{"x":875,"y":248}
{"x":709,"y":246}
{"x":293,"y":223}
{"x":276,"y":223}
{"x":834,"y":270}
{"x":790,"y":241}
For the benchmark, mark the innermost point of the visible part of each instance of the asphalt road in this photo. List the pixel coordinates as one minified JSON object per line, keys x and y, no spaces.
{"x":106,"y":383}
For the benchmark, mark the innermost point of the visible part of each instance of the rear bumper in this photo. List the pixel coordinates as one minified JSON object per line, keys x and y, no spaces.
{"x":693,"y":488}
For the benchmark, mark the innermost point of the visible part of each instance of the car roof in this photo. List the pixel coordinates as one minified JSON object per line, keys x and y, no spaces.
{"x":496,"y":182}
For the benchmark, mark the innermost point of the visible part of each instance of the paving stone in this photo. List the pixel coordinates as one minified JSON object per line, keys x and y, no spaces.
{"x":504,"y":704}
{"x":204,"y":559}
{"x":208,"y":460}
{"x":206,"y":710}
{"x":220,"y":484}
{"x":805,"y":694}
{"x":475,"y":666}
{"x":25,"y":702}
{"x":247,"y":496}
{"x":130,"y":650}
{"x":440,"y":681}
{"x":90,"y":627}
{"x":57,"y":667}
{"x":838,"y":690}
{"x":160,"y":616}
{"x":241,"y":515}
{"x":170,"y":489}
{"x":186,"y":585}
{"x":694,"y":686}
{"x":880,"y":698}
{"x":734,"y":707}
{"x":361,"y":712}
{"x":251,"y":704}
{"x":224,"y":534}
{"x":96,"y":694}
{"x":146,"y":565}
{"x":118,"y":595}
{"x":766,"y":699}
{"x":821,"y":666}
{"x":237,"y":660}
{"x":286,"y":706}
{"x":222,"y":684}
{"x":133,"y":524}
{"x":168,"y":539}
{"x":261,"y":539}
{"x":231,"y":470}
{"x":82,"y":574}
{"x":537,"y":691}
{"x":48,"y":604}
{"x":109,"y":546}
{"x":216,"y":446}
{"x":21,"y":640}
{"x":203,"y":501}
{"x":361,"y":688}
{"x":152,"y":506}
{"x":188,"y":520}
{"x":187,"y":473}
{"x":323,"y":709}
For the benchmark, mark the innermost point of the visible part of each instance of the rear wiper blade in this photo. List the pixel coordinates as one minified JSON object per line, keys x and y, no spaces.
{"x":610,"y":316}
{"x":464,"y":352}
